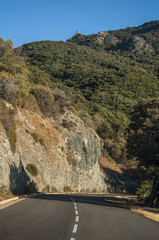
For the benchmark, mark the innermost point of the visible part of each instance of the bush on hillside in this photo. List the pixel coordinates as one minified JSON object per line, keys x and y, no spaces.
{"x":8,"y":89}
{"x":144,"y":191}
{"x":45,"y":100}
{"x":32,"y":169}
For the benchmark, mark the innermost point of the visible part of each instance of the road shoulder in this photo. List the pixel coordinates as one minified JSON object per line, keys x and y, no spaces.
{"x":130,"y":202}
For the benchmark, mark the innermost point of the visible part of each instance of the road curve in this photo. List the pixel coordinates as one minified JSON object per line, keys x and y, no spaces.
{"x":73,"y":217}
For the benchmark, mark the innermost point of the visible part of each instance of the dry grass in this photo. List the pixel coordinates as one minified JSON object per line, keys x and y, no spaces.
{"x":147,"y":213}
{"x":111,"y":164}
{"x":131,"y":197}
{"x":43,"y":127}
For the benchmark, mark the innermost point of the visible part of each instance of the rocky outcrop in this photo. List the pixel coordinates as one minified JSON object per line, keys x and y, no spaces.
{"x":64,"y":152}
{"x":139,"y":45}
{"x":6,"y":158}
{"x":82,"y":142}
{"x":105,"y":37}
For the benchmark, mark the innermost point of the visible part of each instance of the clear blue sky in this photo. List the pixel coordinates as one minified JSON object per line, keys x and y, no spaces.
{"x":25,"y":21}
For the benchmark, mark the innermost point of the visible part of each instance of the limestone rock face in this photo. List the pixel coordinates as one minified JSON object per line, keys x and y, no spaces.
{"x":6,"y":158}
{"x":64,"y":152}
{"x":82,"y":142}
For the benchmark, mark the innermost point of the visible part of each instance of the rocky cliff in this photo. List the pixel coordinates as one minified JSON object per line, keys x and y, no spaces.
{"x":51,"y":155}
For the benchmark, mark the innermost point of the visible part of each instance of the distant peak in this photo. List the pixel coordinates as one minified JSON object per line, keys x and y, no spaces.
{"x":79,"y":33}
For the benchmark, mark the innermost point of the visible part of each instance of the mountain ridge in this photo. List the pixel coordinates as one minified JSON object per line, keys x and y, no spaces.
{"x":121,"y":36}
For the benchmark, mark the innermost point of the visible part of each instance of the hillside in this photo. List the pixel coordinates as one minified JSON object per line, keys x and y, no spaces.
{"x":108,"y":84}
{"x":44,"y":145}
{"x":98,"y":94}
{"x":138,"y":43}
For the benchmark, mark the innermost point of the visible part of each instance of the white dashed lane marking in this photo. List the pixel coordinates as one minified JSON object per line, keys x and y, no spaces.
{"x":77,"y":219}
{"x":74,"y":231}
{"x":75,"y":228}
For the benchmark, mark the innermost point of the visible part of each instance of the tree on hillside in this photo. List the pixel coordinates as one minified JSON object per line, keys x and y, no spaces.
{"x":143,"y":140}
{"x":8,"y":89}
{"x":6,"y":48}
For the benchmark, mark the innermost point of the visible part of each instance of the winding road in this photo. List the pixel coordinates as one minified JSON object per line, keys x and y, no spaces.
{"x":73,"y":217}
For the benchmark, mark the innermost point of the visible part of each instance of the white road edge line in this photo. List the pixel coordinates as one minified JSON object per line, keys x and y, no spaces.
{"x":75,"y":228}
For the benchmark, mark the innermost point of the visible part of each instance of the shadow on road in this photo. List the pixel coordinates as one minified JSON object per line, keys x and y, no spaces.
{"x":102,"y":200}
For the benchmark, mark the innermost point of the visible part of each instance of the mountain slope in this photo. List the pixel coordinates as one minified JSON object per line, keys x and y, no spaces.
{"x":138,"y":43}
{"x":103,"y":85}
{"x":102,"y":78}
{"x":122,"y":39}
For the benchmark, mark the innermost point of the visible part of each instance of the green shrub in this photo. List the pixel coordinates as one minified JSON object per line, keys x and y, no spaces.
{"x":45,"y":100}
{"x":41,"y":141}
{"x":8,"y":89}
{"x":35,"y":136}
{"x":32,"y":169}
{"x":144,"y":191}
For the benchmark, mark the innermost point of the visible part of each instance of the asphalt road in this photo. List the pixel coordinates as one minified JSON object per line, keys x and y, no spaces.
{"x":73,"y":217}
